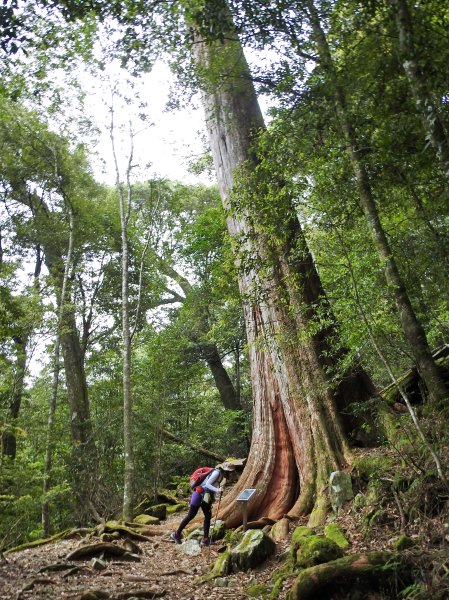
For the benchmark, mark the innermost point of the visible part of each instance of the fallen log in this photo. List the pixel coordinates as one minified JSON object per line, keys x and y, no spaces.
{"x":315,"y":581}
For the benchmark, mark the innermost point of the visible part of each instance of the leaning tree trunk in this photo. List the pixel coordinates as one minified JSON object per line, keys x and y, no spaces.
{"x":228,"y":393}
{"x":425,"y":104}
{"x":413,"y":330}
{"x":298,"y":438}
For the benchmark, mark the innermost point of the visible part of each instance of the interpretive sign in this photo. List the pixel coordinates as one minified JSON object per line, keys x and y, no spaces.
{"x":244,"y":497}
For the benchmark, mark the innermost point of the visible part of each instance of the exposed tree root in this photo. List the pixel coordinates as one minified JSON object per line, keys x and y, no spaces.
{"x":66,"y":534}
{"x":105,"y":548}
{"x":313,"y":582}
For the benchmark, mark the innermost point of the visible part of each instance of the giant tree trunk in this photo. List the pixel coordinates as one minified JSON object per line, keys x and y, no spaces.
{"x":413,"y":330}
{"x":298,"y":438}
{"x":425,"y":104}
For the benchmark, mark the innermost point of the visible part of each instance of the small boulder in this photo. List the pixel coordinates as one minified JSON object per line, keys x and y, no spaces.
{"x":146,"y":520}
{"x":175,"y":508}
{"x":280,"y":530}
{"x":340,"y":485}
{"x":315,"y":550}
{"x":254,"y":548}
{"x":190,"y":547}
{"x":298,"y":534}
{"x":217,"y":532}
{"x":159,"y":511}
{"x":165,"y":497}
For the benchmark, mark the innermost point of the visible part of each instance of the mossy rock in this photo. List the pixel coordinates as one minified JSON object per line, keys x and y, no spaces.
{"x":194,"y":534}
{"x":257,"y":590}
{"x":372,"y":467}
{"x":146,"y":520}
{"x":334,"y":533}
{"x":165,"y":497}
{"x":315,"y":550}
{"x":220,"y":568}
{"x":159,"y":511}
{"x":403,"y":543}
{"x":298,"y":534}
{"x":175,"y":508}
{"x":218,"y":530}
{"x":255,"y":547}
{"x":233,"y":537}
{"x":358,"y":503}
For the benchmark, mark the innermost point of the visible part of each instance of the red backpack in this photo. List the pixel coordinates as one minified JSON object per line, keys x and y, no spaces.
{"x":198,"y":476}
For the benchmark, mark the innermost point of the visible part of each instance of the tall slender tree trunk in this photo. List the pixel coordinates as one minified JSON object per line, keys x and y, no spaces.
{"x":128,"y":433}
{"x":298,"y":438}
{"x":425,"y":104}
{"x":413,"y":330}
{"x":128,"y":490}
{"x":46,"y":516}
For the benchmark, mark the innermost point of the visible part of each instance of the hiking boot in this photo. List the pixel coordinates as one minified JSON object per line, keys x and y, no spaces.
{"x":174,"y":537}
{"x":206,"y":542}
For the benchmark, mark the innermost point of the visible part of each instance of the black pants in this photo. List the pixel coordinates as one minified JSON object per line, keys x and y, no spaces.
{"x":193,"y":511}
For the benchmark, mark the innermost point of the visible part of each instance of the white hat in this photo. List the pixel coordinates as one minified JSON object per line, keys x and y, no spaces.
{"x":226,"y":466}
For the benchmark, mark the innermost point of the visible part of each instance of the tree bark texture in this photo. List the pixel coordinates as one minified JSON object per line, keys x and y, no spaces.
{"x":413,"y":330}
{"x":223,"y":383}
{"x":84,"y":458}
{"x":298,"y":437}
{"x":49,"y":444}
{"x":427,"y":108}
{"x":8,"y":438}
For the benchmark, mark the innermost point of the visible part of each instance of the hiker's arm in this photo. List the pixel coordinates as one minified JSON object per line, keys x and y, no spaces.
{"x":208,"y":485}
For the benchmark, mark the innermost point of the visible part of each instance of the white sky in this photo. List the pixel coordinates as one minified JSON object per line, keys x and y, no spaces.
{"x":163,"y":149}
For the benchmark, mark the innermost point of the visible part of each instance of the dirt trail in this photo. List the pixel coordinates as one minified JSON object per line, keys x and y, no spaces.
{"x":162,"y":571}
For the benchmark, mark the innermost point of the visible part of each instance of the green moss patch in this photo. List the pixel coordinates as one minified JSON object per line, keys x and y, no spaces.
{"x":315,"y":550}
{"x":334,"y":533}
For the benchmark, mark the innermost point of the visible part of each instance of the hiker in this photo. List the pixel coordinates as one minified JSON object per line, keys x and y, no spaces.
{"x":203,"y":496}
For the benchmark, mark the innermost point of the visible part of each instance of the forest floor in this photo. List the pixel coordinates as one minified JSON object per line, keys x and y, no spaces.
{"x":163,"y":570}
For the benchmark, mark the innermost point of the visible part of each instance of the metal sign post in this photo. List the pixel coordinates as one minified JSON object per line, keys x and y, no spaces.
{"x":244,"y":498}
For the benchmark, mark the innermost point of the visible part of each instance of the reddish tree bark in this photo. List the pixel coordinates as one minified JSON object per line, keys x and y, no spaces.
{"x":298,"y":437}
